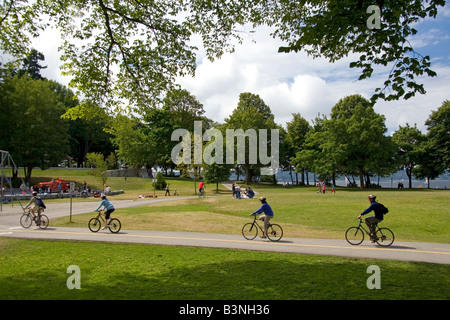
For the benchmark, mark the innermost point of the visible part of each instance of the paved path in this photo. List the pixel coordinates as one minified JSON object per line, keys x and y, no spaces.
{"x":406,"y":251}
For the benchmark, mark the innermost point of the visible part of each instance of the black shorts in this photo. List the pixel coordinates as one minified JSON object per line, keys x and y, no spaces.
{"x":108,"y":213}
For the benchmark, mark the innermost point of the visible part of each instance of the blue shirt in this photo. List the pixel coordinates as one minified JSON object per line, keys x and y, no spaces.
{"x":106,"y":204}
{"x":266,"y":209}
{"x":375,"y":208}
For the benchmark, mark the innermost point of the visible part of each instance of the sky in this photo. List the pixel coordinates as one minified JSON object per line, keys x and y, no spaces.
{"x":295,"y":83}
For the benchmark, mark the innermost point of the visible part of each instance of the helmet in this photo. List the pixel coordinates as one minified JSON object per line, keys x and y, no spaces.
{"x":372,"y":197}
{"x":103,"y":196}
{"x":34,"y":193}
{"x":262,"y":199}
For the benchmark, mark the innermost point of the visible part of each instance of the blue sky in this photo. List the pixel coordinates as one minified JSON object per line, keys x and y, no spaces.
{"x":291,"y":83}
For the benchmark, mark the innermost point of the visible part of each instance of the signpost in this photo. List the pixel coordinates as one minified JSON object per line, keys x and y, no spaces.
{"x":71,"y":190}
{"x":154,"y":183}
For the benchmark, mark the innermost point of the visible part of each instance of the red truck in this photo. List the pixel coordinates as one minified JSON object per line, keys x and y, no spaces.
{"x":54,"y":185}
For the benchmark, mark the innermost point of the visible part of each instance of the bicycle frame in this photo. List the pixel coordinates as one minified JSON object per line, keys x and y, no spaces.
{"x":250,"y":230}
{"x":382,"y":236}
{"x":100,"y":215}
{"x":255,"y":222}
{"x":361,"y":226}
{"x":39,"y":219}
{"x":114,"y":223}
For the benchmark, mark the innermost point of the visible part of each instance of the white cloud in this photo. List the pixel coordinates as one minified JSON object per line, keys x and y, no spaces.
{"x":288,"y":83}
{"x":294,"y":82}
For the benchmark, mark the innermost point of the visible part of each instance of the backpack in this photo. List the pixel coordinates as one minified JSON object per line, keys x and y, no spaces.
{"x":383,"y":209}
{"x":41,"y":203}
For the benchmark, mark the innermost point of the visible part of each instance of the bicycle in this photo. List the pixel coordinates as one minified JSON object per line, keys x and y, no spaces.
{"x":202,"y":193}
{"x":250,"y":230}
{"x":383,"y":236}
{"x":26,"y":220}
{"x":95,"y":223}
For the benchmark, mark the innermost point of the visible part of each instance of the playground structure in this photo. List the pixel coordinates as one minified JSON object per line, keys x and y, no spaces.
{"x":7,"y":163}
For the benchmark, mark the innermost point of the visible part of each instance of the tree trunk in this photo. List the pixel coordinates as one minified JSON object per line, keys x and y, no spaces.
{"x":248,"y":173}
{"x":361,"y":179}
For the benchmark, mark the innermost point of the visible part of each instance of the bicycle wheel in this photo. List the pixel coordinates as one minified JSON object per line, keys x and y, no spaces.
{"x":94,"y":224}
{"x":249,"y":231}
{"x":274,"y":232}
{"x":26,"y":220}
{"x":115,"y":225}
{"x":385,"y":237}
{"x":354,"y":235}
{"x":43,"y":222}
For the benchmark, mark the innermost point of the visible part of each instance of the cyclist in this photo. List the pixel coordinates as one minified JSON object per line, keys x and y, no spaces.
{"x":201,"y":187}
{"x":371,"y":221}
{"x":35,"y":207}
{"x":268,"y":214}
{"x":109,"y":209}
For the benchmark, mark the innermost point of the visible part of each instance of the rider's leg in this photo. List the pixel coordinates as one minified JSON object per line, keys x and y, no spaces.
{"x":266,"y":223}
{"x":107,"y":219}
{"x":370,"y":222}
{"x":32,"y":213}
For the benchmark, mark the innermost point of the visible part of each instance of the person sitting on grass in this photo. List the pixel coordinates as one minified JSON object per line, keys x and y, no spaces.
{"x":250,"y":193}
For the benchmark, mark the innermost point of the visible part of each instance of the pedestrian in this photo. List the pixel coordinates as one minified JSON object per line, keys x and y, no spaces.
{"x":167,"y":190}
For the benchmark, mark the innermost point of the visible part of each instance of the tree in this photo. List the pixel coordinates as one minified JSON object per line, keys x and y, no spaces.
{"x":408,"y":139}
{"x":31,"y":126}
{"x":133,"y":146}
{"x":160,"y":183}
{"x":216,"y":173}
{"x":433,"y":152}
{"x":179,"y":110}
{"x":250,"y":114}
{"x":439,"y":132}
{"x":297,"y":129}
{"x":134,"y":50}
{"x":99,"y":166}
{"x":356,"y":133}
{"x":335,"y":29}
{"x":351,"y":142}
{"x":31,"y":66}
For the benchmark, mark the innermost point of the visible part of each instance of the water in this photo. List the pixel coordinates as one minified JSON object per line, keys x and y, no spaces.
{"x":441,"y":182}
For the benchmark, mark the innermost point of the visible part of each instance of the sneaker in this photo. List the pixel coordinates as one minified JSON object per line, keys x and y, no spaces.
{"x":105,"y":227}
{"x":263,"y":237}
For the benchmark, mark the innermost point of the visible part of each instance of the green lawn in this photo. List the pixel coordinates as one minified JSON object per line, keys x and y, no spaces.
{"x":38,"y":270}
{"x":417,"y":215}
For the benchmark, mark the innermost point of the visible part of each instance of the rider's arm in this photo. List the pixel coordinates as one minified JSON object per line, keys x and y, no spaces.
{"x":100,"y":205}
{"x":367,"y":210}
{"x":259,"y":211}
{"x":32,"y":200}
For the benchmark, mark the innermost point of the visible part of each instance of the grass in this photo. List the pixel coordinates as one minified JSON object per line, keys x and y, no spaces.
{"x":414,"y":215}
{"x":34,"y":269}
{"x":38,"y":270}
{"x":133,"y":186}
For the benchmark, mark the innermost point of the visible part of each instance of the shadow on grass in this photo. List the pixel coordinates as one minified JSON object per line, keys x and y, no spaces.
{"x":304,"y":277}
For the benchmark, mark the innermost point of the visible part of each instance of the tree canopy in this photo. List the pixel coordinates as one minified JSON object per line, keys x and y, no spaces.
{"x":132,"y":51}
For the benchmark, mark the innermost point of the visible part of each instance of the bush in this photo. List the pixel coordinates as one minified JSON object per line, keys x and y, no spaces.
{"x":160,"y":182}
